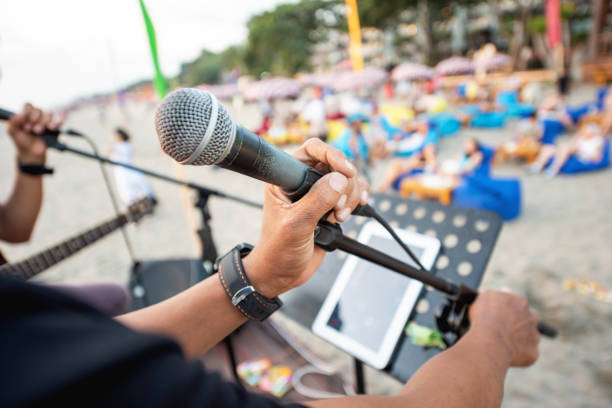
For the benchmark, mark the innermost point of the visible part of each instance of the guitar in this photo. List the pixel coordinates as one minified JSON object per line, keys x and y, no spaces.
{"x":38,"y":263}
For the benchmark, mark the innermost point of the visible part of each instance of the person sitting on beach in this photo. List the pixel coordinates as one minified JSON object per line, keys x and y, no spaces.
{"x":424,"y":160}
{"x":473,"y":161}
{"x":553,"y":107}
{"x":353,"y":144}
{"x":411,"y":139}
{"x":587,"y":146}
{"x":131,"y":184}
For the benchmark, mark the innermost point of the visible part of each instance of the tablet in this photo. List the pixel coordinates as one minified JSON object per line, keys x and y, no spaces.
{"x":368,"y":306}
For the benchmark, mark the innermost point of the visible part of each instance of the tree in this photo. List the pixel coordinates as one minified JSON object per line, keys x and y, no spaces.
{"x":280,"y":40}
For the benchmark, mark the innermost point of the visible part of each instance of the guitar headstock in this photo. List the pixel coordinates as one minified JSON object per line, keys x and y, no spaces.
{"x":140,"y":208}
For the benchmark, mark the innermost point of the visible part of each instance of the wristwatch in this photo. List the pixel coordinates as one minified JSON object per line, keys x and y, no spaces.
{"x":33,"y":169}
{"x":243,"y":295}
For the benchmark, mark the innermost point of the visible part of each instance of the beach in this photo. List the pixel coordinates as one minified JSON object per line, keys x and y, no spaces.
{"x":564,"y":231}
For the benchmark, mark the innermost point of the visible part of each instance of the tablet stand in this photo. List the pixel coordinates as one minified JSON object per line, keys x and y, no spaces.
{"x":467,"y":237}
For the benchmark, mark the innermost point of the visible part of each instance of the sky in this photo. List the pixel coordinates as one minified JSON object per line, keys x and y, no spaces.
{"x":54,"y":51}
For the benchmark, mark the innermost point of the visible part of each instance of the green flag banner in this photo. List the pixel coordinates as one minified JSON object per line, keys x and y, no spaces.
{"x":159,"y":81}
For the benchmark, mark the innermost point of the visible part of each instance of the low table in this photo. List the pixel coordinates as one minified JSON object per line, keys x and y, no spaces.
{"x":441,"y":190}
{"x":525,"y":151}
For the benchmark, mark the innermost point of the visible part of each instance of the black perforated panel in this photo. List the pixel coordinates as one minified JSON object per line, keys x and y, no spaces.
{"x":467,"y":236}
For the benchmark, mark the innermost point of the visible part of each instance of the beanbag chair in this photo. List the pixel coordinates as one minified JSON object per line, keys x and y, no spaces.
{"x":488,"y":120}
{"x":509,"y":100}
{"x":601,"y":97}
{"x":484,"y":170}
{"x":573,"y":165}
{"x":502,"y":196}
{"x":576,"y":113}
{"x":552,"y":129}
{"x":446,"y":124}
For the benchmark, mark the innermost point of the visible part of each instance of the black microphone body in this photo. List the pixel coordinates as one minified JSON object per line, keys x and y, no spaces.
{"x":6,"y":115}
{"x":255,"y":157}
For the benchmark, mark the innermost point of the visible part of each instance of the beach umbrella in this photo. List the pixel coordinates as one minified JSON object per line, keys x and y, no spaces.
{"x":221,"y":91}
{"x":497,"y":61}
{"x":320,"y":79}
{"x":409,"y":71}
{"x":455,"y":66}
{"x":272,"y":88}
{"x":369,"y":77}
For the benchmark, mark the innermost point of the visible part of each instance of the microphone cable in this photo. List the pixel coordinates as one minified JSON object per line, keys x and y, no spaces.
{"x":112,"y":195}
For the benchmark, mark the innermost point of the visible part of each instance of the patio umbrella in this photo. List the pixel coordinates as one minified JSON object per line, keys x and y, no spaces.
{"x":272,"y":88}
{"x":221,"y":91}
{"x":320,"y":79}
{"x":364,"y":79}
{"x":409,"y":71}
{"x":455,"y":66}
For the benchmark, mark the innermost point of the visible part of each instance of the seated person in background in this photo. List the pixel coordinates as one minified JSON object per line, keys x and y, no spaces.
{"x":472,"y":161}
{"x":314,"y":115}
{"x":587,"y":146}
{"x":295,"y":133}
{"x":410,"y":140}
{"x":424,"y":160}
{"x":131,"y":184}
{"x":527,"y":140}
{"x":553,"y":108}
{"x":353,"y":144}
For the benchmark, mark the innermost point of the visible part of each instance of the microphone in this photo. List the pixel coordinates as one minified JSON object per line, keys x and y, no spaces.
{"x":195,"y":129}
{"x":6,"y":115}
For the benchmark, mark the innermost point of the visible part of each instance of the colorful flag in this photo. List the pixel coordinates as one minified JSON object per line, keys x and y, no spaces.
{"x":159,"y":81}
{"x":553,"y":22}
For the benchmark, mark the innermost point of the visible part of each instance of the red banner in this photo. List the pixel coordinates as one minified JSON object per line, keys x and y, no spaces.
{"x":553,"y":22}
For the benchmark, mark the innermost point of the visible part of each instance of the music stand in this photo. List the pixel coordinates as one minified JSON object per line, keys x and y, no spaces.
{"x":467,"y":236}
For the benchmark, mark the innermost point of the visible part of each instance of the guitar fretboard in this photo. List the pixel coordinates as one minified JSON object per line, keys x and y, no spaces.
{"x":49,"y":257}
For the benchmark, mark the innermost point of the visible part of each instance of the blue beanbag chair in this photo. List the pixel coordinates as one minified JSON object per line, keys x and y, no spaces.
{"x":484,"y":170}
{"x":601,"y":96}
{"x":576,"y":113}
{"x":488,"y":119}
{"x":502,"y":196}
{"x":446,"y":124}
{"x":509,"y":100}
{"x":574,"y":165}
{"x":552,"y":129}
{"x":398,"y":181}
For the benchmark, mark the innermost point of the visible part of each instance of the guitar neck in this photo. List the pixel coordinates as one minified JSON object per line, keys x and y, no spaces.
{"x":44,"y":260}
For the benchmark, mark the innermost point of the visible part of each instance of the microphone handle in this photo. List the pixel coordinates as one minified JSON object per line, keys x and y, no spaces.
{"x":5,"y":115}
{"x":253,"y":156}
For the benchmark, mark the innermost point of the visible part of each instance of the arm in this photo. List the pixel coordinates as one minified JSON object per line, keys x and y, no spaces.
{"x":473,"y":162}
{"x":18,"y":215}
{"x":285,"y":256}
{"x":471,"y":373}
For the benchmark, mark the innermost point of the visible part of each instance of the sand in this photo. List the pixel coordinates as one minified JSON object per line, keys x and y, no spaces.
{"x":565,"y":230}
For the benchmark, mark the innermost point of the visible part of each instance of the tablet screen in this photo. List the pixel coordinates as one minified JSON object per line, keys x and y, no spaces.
{"x":371,"y":297}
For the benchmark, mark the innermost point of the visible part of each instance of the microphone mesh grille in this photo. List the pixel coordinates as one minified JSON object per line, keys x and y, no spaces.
{"x":181,"y":121}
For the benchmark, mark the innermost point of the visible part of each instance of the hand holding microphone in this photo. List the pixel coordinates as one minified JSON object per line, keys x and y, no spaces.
{"x":25,"y":128}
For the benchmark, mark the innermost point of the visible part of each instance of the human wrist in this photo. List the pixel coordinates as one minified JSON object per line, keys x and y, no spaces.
{"x":490,"y":342}
{"x":29,"y":158}
{"x":258,"y":274}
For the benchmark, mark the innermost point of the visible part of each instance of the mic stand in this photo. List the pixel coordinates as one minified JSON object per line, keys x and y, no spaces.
{"x":209,"y":249}
{"x":452,"y":319}
{"x":52,"y":143}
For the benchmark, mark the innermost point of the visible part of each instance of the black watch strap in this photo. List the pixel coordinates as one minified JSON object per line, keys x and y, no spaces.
{"x":243,"y":295}
{"x":34,"y":169}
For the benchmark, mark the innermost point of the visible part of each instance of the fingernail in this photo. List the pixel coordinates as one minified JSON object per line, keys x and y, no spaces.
{"x":350,"y":165}
{"x":343,"y":215}
{"x":341,"y":201}
{"x":338,"y":182}
{"x":364,"y":197}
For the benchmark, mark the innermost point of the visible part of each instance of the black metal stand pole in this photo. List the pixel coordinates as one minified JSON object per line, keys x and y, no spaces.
{"x":359,"y":377}
{"x":53,"y":143}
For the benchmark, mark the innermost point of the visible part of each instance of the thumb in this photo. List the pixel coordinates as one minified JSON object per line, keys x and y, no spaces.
{"x":322,"y":197}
